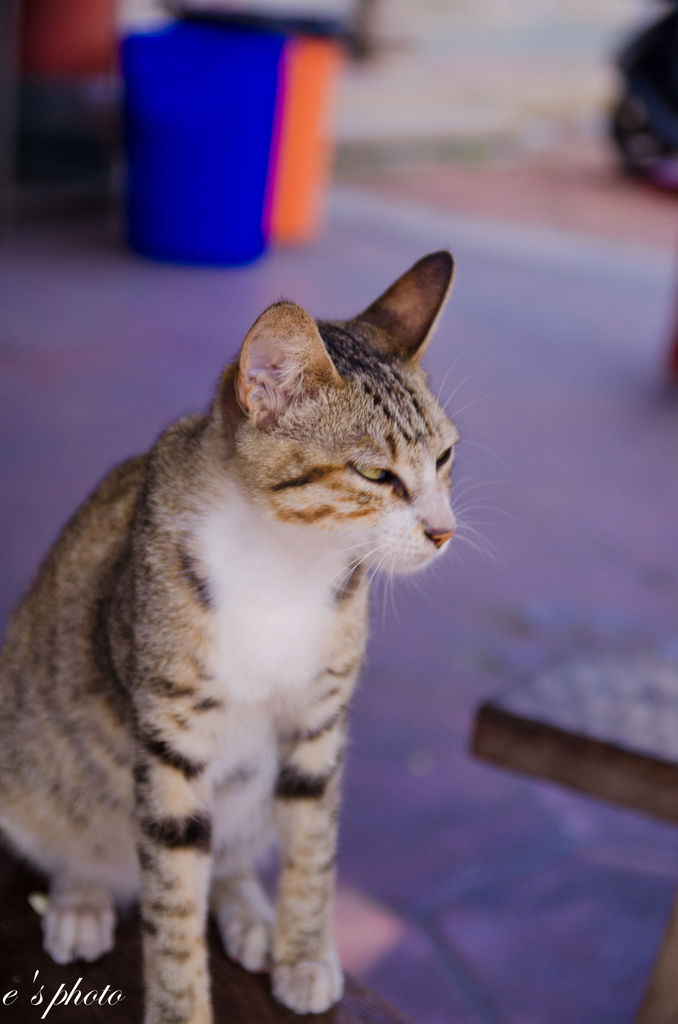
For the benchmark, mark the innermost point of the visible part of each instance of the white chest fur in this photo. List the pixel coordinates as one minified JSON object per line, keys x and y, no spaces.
{"x":272,"y":590}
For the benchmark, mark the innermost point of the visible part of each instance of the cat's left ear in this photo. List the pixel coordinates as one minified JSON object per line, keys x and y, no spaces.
{"x":406,"y":314}
{"x":283,"y":358}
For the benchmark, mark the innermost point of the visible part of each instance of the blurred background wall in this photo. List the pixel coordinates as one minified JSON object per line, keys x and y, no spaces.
{"x":477,"y":73}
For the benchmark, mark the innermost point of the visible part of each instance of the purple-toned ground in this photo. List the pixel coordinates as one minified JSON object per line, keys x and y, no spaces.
{"x":466,"y":894}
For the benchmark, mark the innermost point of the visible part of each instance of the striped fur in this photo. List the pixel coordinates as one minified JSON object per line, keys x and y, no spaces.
{"x":182,"y":665}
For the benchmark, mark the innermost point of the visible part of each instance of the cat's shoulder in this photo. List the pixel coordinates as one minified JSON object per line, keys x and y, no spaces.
{"x":177,"y":448}
{"x":109,"y":506}
{"x":123,"y":480}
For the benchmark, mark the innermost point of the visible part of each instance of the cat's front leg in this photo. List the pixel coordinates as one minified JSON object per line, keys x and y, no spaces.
{"x":174,"y":840}
{"x":307,"y":974}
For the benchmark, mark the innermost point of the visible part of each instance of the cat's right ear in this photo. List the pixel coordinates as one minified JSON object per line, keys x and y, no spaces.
{"x":283,"y":358}
{"x":406,"y":314}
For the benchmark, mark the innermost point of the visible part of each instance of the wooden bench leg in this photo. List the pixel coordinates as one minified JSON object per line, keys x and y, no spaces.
{"x":660,"y":1004}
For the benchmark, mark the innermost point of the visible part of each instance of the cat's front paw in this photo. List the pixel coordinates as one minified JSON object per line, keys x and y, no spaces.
{"x":248,"y":942}
{"x":78,"y":930}
{"x":245,"y":918}
{"x":309,"y":986}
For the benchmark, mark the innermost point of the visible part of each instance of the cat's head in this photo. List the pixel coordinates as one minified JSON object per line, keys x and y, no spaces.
{"x":336,"y":428}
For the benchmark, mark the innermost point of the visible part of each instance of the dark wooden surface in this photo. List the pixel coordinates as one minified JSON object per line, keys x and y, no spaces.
{"x":239,"y":997}
{"x":605,"y":725}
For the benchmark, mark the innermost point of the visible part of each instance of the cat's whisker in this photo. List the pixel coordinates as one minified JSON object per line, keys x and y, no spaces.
{"x":376,"y":569}
{"x":346,"y":571}
{"x":484,"y":522}
{"x":477,"y":546}
{"x":449,"y":370}
{"x":390,"y":578}
{"x":416,"y":582}
{"x":460,"y":488}
{"x":379,"y":590}
{"x":474,"y":401}
{"x":340,"y":577}
{"x":473,"y":538}
{"x":463,"y":494}
{"x":466,"y":528}
{"x":460,"y":385}
{"x":386,"y":585}
{"x":333,"y":555}
{"x":482,"y":507}
{"x":468,"y":483}
{"x":473,"y":490}
{"x":348,"y":567}
{"x":479,"y":549}
{"x":488,"y":451}
{"x":458,"y":553}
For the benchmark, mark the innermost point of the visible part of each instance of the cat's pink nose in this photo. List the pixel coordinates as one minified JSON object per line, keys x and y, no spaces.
{"x":439,"y":536}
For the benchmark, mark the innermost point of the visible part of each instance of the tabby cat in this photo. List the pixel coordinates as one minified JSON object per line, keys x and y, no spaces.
{"x":182,"y":666}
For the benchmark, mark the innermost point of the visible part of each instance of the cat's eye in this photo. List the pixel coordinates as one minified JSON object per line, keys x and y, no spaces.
{"x":379,"y":476}
{"x":443,"y":459}
{"x":382,"y":476}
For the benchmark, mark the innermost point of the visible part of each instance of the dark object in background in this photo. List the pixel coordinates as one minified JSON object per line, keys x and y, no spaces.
{"x":67,"y":95}
{"x":672,"y":360}
{"x":67,"y":132}
{"x":644,"y":123}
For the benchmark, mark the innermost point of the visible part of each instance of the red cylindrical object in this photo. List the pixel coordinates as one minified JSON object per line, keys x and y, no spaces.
{"x":672,"y":362}
{"x":67,"y":38}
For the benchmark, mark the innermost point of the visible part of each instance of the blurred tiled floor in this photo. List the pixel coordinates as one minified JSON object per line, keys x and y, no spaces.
{"x":466,"y":895}
{"x":574,"y":186}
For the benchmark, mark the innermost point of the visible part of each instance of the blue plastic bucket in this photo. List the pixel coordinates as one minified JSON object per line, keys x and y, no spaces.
{"x":200,"y":104}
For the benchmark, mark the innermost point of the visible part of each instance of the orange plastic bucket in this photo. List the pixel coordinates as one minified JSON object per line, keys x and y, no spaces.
{"x":310,"y":69}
